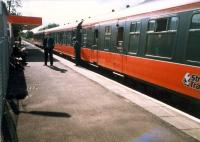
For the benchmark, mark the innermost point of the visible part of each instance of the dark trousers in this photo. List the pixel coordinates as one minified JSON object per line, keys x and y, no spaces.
{"x":48,"y":52}
{"x":78,"y":56}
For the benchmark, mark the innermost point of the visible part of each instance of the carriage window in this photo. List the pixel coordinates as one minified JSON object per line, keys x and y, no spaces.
{"x":151,"y":25}
{"x":84,"y":37}
{"x":135,"y":27}
{"x":107,"y":30}
{"x":161,"y":24}
{"x":195,"y":22}
{"x":134,"y":37}
{"x":138,"y":27}
{"x":173,"y":25}
{"x":193,"y":50}
{"x":120,"y":34}
{"x":162,"y":42}
{"x":107,"y":42}
{"x":95,"y":38}
{"x":120,"y":38}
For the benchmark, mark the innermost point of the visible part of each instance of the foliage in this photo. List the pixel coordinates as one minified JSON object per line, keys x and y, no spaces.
{"x":49,"y":26}
{"x":29,"y":34}
{"x":16,"y":29}
{"x":12,"y":6}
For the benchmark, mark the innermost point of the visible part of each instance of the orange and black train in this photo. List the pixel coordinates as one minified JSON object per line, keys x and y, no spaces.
{"x":157,"y":42}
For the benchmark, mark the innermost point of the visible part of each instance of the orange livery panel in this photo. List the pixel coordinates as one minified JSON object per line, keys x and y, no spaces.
{"x":85,"y":54}
{"x":117,"y":62}
{"x":94,"y":56}
{"x":184,"y":79}
{"x":64,"y":49}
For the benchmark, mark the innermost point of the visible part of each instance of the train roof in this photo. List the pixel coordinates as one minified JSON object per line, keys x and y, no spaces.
{"x":143,"y":8}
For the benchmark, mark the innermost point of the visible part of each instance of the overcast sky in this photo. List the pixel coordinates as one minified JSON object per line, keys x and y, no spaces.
{"x":64,"y":11}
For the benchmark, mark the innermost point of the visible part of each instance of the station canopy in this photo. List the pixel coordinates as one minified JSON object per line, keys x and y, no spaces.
{"x":27,"y":22}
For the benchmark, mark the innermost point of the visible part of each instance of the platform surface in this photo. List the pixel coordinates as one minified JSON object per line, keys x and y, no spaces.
{"x":66,"y":103}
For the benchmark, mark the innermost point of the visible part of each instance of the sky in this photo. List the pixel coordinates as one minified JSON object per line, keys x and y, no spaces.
{"x":68,"y":11}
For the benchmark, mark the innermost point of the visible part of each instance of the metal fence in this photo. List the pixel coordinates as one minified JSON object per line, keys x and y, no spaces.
{"x":4,"y":57}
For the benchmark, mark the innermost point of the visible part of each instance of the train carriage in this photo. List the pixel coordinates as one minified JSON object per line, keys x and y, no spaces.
{"x":156,"y":42}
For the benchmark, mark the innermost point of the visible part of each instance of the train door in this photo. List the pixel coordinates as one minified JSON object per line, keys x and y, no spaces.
{"x":94,"y":48}
{"x":118,"y":50}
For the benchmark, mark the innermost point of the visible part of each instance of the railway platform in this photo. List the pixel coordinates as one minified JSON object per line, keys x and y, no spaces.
{"x":66,"y":103}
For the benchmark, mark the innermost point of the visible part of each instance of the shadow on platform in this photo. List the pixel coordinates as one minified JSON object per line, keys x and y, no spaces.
{"x":48,"y":113}
{"x":58,"y":69}
{"x":17,"y":88}
{"x":35,"y":55}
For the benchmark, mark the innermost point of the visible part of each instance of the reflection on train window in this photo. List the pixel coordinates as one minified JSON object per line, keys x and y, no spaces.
{"x":151,"y":25}
{"x":173,"y":24}
{"x":195,"y":22}
{"x":107,"y":40}
{"x":135,"y":27}
{"x":73,"y":36}
{"x":95,"y":38}
{"x":134,"y":36}
{"x":107,"y":30}
{"x":89,"y":37}
{"x":193,"y":50}
{"x":69,"y":37}
{"x":84,"y":37}
{"x":120,"y":38}
{"x":162,"y":41}
{"x":56,"y":35}
{"x":107,"y":43}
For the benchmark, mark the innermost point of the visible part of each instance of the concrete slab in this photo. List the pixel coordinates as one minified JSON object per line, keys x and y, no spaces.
{"x":194,"y":133}
{"x":140,"y":99}
{"x":182,"y":122}
{"x":63,"y":105}
{"x":161,"y":111}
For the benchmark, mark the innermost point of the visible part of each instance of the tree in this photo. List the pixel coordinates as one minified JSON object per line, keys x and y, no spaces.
{"x":12,"y":6}
{"x":29,"y":34}
{"x":16,"y":29}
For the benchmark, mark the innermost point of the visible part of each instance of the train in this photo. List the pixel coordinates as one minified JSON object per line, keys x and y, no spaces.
{"x":157,"y":42}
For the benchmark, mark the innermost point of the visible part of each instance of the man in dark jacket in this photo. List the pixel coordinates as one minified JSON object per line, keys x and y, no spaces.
{"x":77,"y":44}
{"x":48,"y":45}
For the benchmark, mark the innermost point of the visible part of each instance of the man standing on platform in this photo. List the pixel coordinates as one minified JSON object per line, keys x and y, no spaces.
{"x":77,"y":44}
{"x":48,"y":45}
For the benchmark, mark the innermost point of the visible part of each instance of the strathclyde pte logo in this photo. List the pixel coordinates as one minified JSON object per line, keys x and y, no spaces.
{"x":186,"y":79}
{"x":192,"y":81}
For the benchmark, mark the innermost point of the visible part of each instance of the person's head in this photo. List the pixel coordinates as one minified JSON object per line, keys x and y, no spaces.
{"x":74,"y":39}
{"x":46,"y":35}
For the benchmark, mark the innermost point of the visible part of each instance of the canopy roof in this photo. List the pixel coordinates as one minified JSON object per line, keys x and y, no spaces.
{"x":28,"y":22}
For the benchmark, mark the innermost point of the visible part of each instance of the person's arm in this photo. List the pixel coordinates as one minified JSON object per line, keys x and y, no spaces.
{"x":53,"y":42}
{"x":44,"y":43}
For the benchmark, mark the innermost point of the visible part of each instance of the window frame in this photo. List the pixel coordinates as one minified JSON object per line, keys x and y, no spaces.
{"x":188,"y":61}
{"x":169,"y":18}
{"x":132,"y":33}
{"x":194,"y":29}
{"x":106,"y":36}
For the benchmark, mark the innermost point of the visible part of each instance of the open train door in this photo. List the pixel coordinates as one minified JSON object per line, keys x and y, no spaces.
{"x":94,"y":48}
